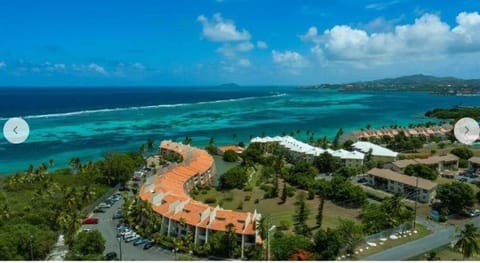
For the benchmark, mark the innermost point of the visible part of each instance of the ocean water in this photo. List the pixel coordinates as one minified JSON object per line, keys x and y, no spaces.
{"x":87,"y":122}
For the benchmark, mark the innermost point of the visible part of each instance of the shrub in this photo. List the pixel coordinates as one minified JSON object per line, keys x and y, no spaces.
{"x":462,"y":163}
{"x":234,"y":178}
{"x":204,"y":192}
{"x":230,"y":156}
{"x":284,"y":225}
{"x":248,"y":188}
{"x":228,"y":196}
{"x":311,"y":195}
{"x":291,"y":191}
{"x":210,"y":200}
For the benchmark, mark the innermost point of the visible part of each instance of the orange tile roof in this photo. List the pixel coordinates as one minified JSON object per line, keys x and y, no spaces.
{"x":234,"y":148}
{"x":172,"y":184}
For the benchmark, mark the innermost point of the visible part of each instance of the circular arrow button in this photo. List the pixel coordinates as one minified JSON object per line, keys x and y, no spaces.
{"x":466,"y":130}
{"x":16,"y":130}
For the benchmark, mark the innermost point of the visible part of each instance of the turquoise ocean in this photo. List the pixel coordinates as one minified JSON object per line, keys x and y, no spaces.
{"x":87,"y":122}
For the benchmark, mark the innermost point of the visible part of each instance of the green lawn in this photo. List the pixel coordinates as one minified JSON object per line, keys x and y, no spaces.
{"x":272,"y":207}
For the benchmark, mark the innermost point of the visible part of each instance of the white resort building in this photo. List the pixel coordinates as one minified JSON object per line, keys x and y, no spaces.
{"x":299,"y":150}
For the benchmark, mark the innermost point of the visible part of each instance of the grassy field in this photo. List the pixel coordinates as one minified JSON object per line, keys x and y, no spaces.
{"x":272,"y":207}
{"x":422,"y":231}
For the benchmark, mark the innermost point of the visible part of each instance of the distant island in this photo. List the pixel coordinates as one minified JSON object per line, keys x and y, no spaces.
{"x":455,"y":113}
{"x":438,"y":85}
{"x":229,"y":85}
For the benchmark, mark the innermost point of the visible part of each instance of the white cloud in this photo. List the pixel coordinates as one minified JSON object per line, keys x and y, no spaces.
{"x":3,"y":64}
{"x":243,"y":62}
{"x":290,"y":60}
{"x":467,"y":32}
{"x":90,"y":68}
{"x":219,"y":29}
{"x":231,"y":51}
{"x":381,"y":5}
{"x":96,"y":68}
{"x":138,"y":66}
{"x":262,"y":45}
{"x":427,"y":37}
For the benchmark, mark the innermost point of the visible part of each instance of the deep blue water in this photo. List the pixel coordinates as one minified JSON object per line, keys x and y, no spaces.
{"x":87,"y":122}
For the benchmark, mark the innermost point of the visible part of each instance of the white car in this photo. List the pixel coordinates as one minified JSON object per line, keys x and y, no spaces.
{"x":104,"y":205}
{"x":132,"y":238}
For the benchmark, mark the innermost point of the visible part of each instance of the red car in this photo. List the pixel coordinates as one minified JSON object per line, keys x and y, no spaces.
{"x":90,"y":221}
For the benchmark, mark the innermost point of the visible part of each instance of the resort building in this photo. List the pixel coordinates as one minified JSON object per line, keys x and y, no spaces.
{"x":235,"y":148}
{"x":378,"y":151}
{"x":393,"y":182}
{"x":440,"y":131}
{"x":474,"y":164}
{"x":297,"y":150}
{"x":168,"y":194}
{"x":438,"y":163}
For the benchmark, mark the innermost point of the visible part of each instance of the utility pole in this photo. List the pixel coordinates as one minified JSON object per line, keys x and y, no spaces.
{"x":269,"y":229}
{"x":31,"y":247}
{"x":120,"y":247}
{"x":416,"y":200}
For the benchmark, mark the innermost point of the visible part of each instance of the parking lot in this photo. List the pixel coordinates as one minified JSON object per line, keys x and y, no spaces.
{"x":108,"y":227}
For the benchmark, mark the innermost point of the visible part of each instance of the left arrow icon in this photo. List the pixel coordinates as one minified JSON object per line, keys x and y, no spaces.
{"x":15,"y":130}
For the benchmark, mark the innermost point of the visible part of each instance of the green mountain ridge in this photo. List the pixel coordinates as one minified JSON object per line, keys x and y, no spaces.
{"x":418,"y":82}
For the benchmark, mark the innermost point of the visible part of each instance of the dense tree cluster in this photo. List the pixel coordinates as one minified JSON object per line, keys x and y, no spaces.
{"x":230,"y":156}
{"x":421,"y":170}
{"x":455,"y":197}
{"x":388,"y":214}
{"x":87,"y":246}
{"x":234,"y":178}
{"x":455,"y":113}
{"x":43,"y":203}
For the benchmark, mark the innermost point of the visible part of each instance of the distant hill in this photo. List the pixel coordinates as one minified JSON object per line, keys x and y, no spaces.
{"x":447,"y":85}
{"x":229,"y":85}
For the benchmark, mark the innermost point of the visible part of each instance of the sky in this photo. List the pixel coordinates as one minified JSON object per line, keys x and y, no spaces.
{"x":248,"y":42}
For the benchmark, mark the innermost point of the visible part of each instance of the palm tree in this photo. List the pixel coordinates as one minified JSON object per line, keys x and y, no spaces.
{"x":467,"y":243}
{"x":187,"y":140}
{"x":51,"y":162}
{"x":142,"y":149}
{"x":150,"y":144}
{"x":30,"y":169}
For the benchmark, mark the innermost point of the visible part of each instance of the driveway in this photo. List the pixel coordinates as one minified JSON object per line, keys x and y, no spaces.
{"x":108,"y":228}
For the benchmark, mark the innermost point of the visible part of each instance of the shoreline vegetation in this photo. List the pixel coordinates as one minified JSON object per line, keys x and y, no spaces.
{"x":40,"y":204}
{"x":436,"y":85}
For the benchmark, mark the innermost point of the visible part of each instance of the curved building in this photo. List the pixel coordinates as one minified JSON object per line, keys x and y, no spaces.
{"x":168,"y":194}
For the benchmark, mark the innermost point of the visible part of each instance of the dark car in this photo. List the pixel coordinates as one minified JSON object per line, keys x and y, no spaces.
{"x":463,"y":180}
{"x":140,"y":241}
{"x":111,"y":256}
{"x":98,"y":210}
{"x":148,"y":245}
{"x":362,"y":180}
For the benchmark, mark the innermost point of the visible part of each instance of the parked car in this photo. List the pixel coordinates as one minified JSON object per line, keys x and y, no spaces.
{"x":104,"y":205}
{"x":473,"y":213}
{"x":362,"y":180}
{"x":98,"y":210}
{"x":133,"y":238}
{"x":140,"y":241}
{"x":464,"y":180}
{"x":148,"y":245}
{"x":111,"y":256}
{"x":90,"y":221}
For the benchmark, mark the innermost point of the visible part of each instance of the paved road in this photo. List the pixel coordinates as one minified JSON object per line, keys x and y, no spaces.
{"x":441,"y":236}
{"x":107,"y":227}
